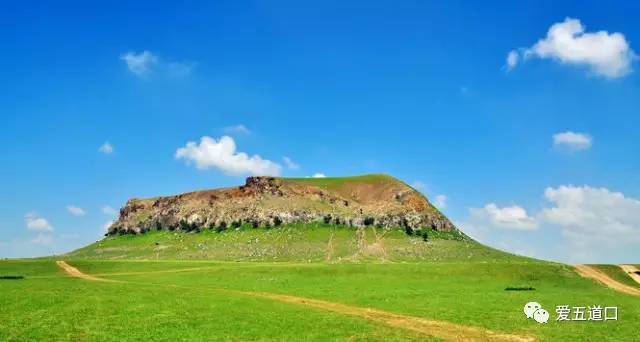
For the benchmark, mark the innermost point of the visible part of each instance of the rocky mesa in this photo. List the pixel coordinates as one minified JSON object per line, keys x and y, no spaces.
{"x":378,"y":200}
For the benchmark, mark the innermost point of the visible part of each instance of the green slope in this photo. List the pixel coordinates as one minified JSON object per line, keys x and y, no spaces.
{"x":616,"y":273}
{"x":298,"y":242}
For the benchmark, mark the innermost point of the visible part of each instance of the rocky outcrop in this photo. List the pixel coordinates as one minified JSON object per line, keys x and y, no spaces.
{"x":377,"y":200}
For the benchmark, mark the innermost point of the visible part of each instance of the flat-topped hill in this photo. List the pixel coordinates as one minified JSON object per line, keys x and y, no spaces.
{"x":370,"y":200}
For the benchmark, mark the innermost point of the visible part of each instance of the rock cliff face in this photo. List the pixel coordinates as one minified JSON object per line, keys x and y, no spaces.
{"x":377,"y":200}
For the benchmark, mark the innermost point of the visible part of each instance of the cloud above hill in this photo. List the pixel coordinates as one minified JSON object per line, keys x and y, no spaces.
{"x":75,"y":211}
{"x":222,"y":154}
{"x":36,"y":223}
{"x":146,"y":63}
{"x":605,"y":54}
{"x":511,"y":217}
{"x":572,"y":141}
{"x":587,"y":223}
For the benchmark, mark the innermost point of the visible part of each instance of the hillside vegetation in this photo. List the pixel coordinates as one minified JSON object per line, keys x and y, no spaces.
{"x":294,"y":242}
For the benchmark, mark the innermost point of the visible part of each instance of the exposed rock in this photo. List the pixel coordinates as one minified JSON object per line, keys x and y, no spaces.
{"x":377,"y":200}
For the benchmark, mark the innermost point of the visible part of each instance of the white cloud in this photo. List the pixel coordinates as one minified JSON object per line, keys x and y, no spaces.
{"x":512,"y":59}
{"x":37,"y":223}
{"x":106,"y":148}
{"x":440,"y":201}
{"x":513,"y":217}
{"x":222,"y":154}
{"x":593,"y":215}
{"x":140,"y":64}
{"x":290,"y":164}
{"x":237,"y":129}
{"x":108,"y":210}
{"x":572,"y":140}
{"x":75,"y":211}
{"x":145,"y":63}
{"x":318,"y":175}
{"x":606,"y":54}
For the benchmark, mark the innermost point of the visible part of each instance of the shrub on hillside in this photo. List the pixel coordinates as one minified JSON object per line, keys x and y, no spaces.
{"x":221,"y":227}
{"x":408,"y":230}
{"x":277,"y":221}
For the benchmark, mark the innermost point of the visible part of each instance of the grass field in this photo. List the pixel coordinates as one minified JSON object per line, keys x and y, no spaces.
{"x":207,"y":300}
{"x":615,"y":272}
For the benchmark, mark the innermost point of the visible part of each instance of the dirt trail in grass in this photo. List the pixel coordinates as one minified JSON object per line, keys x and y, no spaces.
{"x":440,"y":329}
{"x":590,"y":272}
{"x":74,"y":272}
{"x":632,"y":271}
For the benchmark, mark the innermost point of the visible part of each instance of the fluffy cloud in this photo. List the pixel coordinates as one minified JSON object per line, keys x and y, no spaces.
{"x":107,"y":210}
{"x":221,"y":154}
{"x":237,"y":129}
{"x":440,"y":201}
{"x":146,"y":63}
{"x":140,"y":64}
{"x":36,"y":223}
{"x":106,"y":148}
{"x":572,"y":140}
{"x":593,"y":215}
{"x":513,"y":217}
{"x":75,"y":211}
{"x":512,"y":59}
{"x":606,"y":54}
{"x":318,"y":175}
{"x":290,"y":164}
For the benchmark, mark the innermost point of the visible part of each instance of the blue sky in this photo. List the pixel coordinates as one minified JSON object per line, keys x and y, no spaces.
{"x":526,"y":132}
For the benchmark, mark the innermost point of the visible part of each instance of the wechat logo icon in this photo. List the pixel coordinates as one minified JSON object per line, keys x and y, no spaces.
{"x":534,"y":310}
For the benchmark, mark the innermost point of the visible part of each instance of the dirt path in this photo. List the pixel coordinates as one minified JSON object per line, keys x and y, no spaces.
{"x":632,"y":271}
{"x":74,"y":272}
{"x":440,"y":329}
{"x":590,"y":272}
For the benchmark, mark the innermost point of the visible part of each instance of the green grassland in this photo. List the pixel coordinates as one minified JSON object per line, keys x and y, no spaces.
{"x":615,"y":272}
{"x":158,"y":297}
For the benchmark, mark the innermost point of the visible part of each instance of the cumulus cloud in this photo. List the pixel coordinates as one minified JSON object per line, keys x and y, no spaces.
{"x":145,"y":63}
{"x":512,"y":217}
{"x":237,"y":129}
{"x":573,"y":141}
{"x":290,"y":164}
{"x":318,"y":175}
{"x":440,"y":201}
{"x":75,"y":211}
{"x":36,"y":223}
{"x":584,"y":224}
{"x":140,"y":64}
{"x":222,"y":155}
{"x":593,"y":214}
{"x":108,"y":210}
{"x":106,"y":148}
{"x":605,"y":54}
